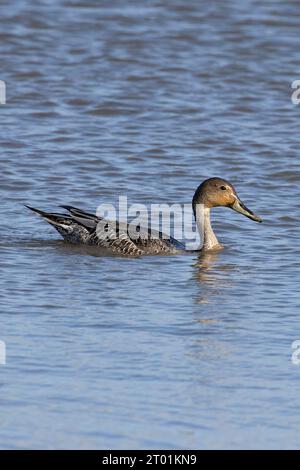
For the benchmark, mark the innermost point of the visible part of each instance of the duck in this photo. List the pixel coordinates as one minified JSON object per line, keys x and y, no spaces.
{"x":81,"y":227}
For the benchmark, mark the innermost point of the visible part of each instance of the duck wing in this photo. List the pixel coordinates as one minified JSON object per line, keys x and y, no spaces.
{"x":145,"y":239}
{"x":86,"y":219}
{"x":106,"y":233}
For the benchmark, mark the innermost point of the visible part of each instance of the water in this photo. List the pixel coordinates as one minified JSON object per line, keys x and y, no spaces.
{"x":147,"y":99}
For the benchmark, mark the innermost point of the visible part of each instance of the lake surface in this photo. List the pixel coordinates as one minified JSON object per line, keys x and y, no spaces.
{"x":147,"y":99}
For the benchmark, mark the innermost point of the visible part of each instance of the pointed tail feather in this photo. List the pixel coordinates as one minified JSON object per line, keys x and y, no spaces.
{"x":38,"y":211}
{"x":74,"y":211}
{"x":52,"y":218}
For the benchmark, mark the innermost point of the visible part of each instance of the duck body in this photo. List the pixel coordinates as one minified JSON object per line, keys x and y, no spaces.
{"x":82,"y":227}
{"x":78,"y":226}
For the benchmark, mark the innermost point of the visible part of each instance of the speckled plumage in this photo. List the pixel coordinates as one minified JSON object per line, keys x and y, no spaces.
{"x":88,"y":229}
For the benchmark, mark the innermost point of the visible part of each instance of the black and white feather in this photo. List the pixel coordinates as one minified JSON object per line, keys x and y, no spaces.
{"x":78,"y":226}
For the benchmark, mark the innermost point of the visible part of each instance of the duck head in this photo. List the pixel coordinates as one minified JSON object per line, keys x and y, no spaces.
{"x":215,"y":192}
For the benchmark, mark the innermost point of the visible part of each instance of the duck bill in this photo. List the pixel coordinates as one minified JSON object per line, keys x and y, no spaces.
{"x":238,"y":206}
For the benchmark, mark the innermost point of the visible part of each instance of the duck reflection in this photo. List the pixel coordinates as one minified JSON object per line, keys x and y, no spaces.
{"x":204,"y":267}
{"x":211,"y":276}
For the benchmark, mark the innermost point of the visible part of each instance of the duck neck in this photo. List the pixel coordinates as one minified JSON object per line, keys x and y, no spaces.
{"x":209,"y":240}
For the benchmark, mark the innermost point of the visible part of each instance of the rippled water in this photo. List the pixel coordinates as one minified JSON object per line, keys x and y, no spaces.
{"x":148,"y":99}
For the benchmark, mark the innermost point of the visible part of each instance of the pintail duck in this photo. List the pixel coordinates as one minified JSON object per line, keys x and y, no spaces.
{"x":85,"y":228}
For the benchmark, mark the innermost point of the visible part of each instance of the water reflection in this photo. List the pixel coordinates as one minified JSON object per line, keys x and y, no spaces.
{"x":204,"y":267}
{"x":212,"y":279}
{"x":212,"y":276}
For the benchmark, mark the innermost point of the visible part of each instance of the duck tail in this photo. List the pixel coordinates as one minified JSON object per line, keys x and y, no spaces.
{"x":54,"y":219}
{"x":38,"y":211}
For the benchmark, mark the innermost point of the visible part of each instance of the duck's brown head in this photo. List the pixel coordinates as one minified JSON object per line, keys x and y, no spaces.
{"x":215,"y":192}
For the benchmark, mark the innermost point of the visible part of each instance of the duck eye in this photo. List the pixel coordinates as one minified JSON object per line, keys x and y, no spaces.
{"x":223,"y":188}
